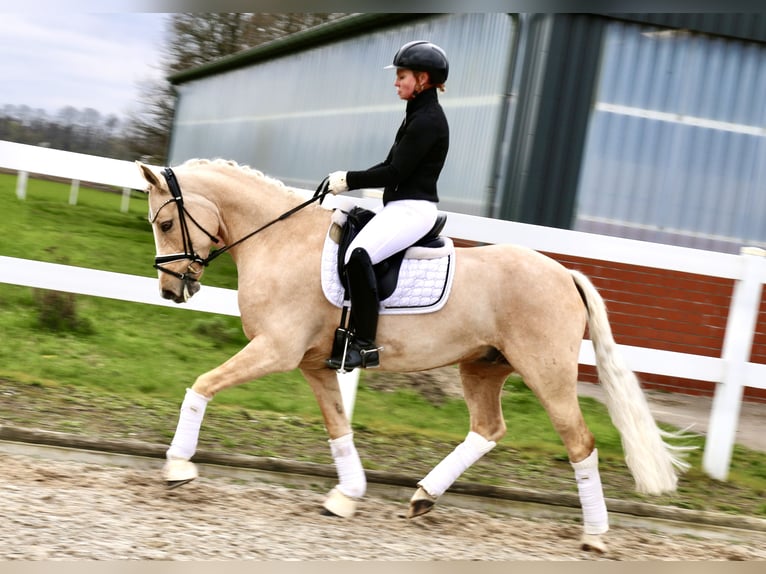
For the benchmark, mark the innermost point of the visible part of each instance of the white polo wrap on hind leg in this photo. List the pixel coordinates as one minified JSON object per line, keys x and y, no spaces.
{"x":455,"y":463}
{"x":351,"y":478}
{"x":595,"y":518}
{"x":184,"y":442}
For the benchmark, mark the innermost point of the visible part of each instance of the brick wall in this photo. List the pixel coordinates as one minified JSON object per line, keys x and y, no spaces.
{"x":667,"y":310}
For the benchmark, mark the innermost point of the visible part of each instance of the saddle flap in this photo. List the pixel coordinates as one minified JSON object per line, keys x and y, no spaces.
{"x":423,"y":282}
{"x":387,"y":271}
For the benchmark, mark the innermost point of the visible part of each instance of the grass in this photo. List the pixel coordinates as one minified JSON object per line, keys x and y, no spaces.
{"x":115,"y":369}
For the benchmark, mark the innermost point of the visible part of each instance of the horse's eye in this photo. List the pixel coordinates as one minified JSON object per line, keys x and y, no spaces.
{"x":165,"y":226}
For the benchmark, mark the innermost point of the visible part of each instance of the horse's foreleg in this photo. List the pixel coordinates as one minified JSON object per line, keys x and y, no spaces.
{"x":482,"y":385}
{"x":258,"y":358}
{"x":352,"y":483}
{"x":178,"y":469}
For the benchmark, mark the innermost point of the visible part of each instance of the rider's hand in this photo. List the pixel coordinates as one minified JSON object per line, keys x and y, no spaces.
{"x":337,"y":183}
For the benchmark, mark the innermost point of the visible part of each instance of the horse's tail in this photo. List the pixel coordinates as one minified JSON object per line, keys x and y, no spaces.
{"x":651,"y":460}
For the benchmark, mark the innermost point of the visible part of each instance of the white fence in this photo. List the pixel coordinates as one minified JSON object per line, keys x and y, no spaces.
{"x":732,"y":371}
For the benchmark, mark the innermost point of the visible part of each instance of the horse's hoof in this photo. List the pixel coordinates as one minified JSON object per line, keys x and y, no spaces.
{"x":593,"y":543}
{"x":171,"y":484}
{"x":178,"y":472}
{"x":420,"y":503}
{"x":338,"y":504}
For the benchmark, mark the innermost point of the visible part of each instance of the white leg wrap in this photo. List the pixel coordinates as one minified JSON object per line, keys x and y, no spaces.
{"x":351,"y":477}
{"x":595,"y":519}
{"x":455,"y":463}
{"x":184,"y":442}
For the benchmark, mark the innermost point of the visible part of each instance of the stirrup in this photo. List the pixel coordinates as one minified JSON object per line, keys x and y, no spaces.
{"x":370,"y":356}
{"x":348,"y":354}
{"x":339,"y":351}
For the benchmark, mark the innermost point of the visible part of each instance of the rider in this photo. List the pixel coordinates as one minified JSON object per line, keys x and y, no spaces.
{"x":408,"y":176}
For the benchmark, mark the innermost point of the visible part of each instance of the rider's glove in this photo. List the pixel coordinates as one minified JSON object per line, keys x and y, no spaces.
{"x":337,"y":183}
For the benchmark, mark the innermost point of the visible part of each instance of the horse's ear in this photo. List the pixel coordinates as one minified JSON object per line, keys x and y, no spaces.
{"x":148,"y":175}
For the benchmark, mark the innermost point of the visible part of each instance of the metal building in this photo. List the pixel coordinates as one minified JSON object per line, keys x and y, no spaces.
{"x":650,"y":126}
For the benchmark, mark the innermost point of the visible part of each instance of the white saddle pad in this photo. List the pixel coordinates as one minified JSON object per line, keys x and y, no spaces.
{"x":424,"y":281}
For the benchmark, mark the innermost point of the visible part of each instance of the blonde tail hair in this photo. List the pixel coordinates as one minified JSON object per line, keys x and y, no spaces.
{"x":652,"y":462}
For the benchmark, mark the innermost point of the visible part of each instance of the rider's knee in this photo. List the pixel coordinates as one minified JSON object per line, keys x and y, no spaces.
{"x":359,"y":256}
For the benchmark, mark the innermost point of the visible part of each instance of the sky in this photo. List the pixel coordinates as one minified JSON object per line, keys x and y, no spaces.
{"x":85,"y":60}
{"x":78,"y":53}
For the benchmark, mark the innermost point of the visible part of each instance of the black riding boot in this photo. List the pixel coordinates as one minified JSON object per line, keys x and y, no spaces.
{"x":361,"y":350}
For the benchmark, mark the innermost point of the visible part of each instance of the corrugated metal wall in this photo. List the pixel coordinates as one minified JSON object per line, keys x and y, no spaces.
{"x":329,"y":107}
{"x":676,"y":147}
{"x":621,"y":124}
{"x":743,"y":25}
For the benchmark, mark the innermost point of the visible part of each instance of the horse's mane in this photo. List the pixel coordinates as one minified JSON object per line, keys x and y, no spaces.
{"x":245,"y":169}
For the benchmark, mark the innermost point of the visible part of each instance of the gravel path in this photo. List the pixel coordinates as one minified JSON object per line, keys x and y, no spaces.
{"x":52,"y":510}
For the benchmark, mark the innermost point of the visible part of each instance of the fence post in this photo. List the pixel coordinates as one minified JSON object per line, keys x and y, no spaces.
{"x":348,"y":383}
{"x":125,"y":205}
{"x":737,"y":347}
{"x":73,"y":191}
{"x":21,"y":185}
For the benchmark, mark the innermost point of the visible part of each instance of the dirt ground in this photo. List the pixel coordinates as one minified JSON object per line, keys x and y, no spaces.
{"x":67,"y":510}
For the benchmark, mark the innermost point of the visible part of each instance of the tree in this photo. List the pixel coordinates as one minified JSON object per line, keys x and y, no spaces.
{"x":194,"y":40}
{"x":70,"y":129}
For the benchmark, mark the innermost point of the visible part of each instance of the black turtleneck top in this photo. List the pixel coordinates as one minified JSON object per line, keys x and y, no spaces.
{"x":416,"y":159}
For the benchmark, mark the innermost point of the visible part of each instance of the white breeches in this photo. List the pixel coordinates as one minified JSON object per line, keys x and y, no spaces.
{"x":395,"y":227}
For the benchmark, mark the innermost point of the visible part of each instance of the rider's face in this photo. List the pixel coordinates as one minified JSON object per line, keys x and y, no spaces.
{"x":407,"y":84}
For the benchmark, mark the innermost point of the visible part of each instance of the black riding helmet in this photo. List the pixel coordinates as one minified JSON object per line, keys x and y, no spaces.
{"x":423,"y":56}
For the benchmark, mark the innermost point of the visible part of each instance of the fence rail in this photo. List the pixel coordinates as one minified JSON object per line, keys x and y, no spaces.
{"x":732,"y":371}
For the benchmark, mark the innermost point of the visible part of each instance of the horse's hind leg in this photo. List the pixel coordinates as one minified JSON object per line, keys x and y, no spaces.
{"x":482,"y":386}
{"x":556,"y":388}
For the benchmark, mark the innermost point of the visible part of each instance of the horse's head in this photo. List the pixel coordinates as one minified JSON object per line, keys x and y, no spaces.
{"x":184,"y":227}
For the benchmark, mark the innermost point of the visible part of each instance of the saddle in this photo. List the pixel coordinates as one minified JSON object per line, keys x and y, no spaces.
{"x":387,"y":271}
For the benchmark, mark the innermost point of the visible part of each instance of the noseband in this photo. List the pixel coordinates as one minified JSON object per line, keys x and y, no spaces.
{"x":189,"y":253}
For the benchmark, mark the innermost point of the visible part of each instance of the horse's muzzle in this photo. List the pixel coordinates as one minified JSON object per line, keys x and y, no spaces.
{"x":188,"y":287}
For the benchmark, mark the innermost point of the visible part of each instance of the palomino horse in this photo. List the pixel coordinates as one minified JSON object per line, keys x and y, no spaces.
{"x":510,"y":309}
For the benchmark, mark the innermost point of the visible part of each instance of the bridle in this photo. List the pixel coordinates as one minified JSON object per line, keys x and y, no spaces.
{"x":189,"y":254}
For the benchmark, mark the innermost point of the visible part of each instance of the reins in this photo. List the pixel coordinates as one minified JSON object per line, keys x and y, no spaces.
{"x":189,"y":253}
{"x":319,"y":194}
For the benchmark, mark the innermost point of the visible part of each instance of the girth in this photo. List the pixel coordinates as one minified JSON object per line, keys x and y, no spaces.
{"x":387,"y":271}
